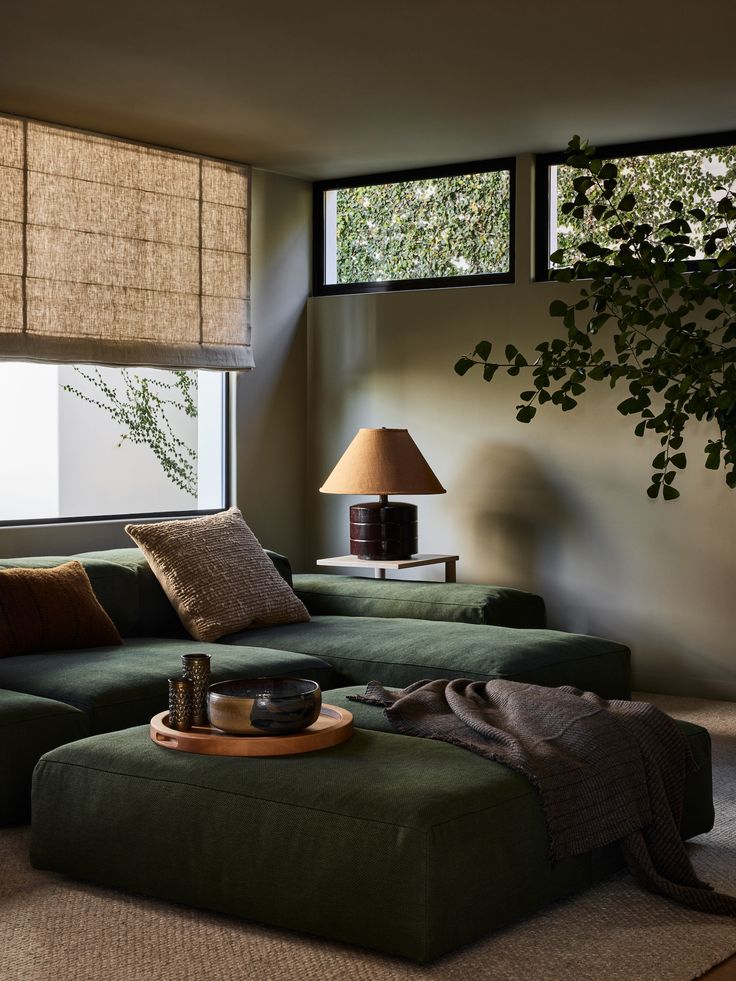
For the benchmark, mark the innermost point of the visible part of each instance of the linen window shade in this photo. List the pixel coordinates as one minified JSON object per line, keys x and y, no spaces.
{"x":119,"y":253}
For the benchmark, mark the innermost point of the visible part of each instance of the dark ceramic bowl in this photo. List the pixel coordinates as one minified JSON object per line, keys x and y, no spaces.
{"x":264,"y":706}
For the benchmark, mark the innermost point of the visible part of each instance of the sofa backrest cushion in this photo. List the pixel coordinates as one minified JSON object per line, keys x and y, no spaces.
{"x":151,"y":614}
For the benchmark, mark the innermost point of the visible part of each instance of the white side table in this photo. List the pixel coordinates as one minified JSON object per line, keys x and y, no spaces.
{"x":381,"y":565}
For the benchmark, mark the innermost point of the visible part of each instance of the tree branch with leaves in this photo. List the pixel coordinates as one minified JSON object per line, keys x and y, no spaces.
{"x":667,"y":308}
{"x":143,"y":410}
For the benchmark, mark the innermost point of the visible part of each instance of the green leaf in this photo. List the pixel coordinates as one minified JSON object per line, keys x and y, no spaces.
{"x":627,"y":203}
{"x":463,"y":365}
{"x":679,"y":460}
{"x":526,"y":413}
{"x":510,"y":352}
{"x":557,"y":308}
{"x":670,"y":493}
{"x":489,"y":370}
{"x":483,"y":349}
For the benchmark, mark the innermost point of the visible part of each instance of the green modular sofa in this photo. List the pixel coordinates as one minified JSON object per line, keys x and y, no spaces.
{"x":361,"y":629}
{"x":409,"y":846}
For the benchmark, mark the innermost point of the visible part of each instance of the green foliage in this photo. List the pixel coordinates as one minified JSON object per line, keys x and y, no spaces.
{"x":653,"y":182}
{"x":443,"y":226}
{"x":143,"y":411}
{"x":671,"y":327}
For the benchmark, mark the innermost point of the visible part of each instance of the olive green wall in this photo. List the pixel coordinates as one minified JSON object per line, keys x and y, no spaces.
{"x":269,"y":405}
{"x":558,"y":506}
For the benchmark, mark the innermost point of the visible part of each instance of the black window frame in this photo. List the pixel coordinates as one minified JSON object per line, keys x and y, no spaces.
{"x":320,"y":288}
{"x":145,"y":515}
{"x":544,"y":161}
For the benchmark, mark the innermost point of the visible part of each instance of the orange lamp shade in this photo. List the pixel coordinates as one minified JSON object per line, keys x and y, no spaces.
{"x":382,"y":461}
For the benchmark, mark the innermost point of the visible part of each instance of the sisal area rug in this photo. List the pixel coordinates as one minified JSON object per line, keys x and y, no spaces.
{"x":53,"y":929}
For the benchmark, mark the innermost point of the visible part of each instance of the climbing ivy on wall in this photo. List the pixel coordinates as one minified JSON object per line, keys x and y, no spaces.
{"x":443,"y":226}
{"x":690,"y":176}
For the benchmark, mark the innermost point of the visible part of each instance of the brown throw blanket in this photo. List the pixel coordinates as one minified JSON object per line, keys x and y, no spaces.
{"x":605,"y":770}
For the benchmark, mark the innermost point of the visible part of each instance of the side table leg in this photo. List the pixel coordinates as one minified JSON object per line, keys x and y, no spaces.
{"x":451,"y":570}
{"x":379,"y":573}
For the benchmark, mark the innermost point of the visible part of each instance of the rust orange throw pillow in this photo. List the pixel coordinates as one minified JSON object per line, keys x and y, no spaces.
{"x":51,"y":609}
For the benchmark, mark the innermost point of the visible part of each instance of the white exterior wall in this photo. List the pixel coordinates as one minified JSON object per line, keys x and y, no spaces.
{"x":29,"y":444}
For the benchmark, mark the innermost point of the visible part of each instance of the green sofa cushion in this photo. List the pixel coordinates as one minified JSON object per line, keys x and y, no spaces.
{"x":117,"y":687}
{"x":30,"y":727}
{"x":154,"y":615}
{"x":357,"y":596}
{"x":398,"y":651}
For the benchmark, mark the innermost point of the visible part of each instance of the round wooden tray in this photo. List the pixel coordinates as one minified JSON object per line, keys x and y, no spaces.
{"x":333,"y":726}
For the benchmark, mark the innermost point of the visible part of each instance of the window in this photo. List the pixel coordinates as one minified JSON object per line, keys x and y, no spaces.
{"x":78,"y":441}
{"x":441,"y":226}
{"x":657,"y":172}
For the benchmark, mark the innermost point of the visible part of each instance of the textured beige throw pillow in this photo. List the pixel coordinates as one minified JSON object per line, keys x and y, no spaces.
{"x":216,"y":575}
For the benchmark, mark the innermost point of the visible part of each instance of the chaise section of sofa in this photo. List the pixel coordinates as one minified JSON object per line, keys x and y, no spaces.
{"x":399,"y":651}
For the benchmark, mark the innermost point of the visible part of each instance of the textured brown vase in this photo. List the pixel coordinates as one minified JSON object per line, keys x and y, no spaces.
{"x":383,"y":530}
{"x":180,"y":704}
{"x":196,"y":667}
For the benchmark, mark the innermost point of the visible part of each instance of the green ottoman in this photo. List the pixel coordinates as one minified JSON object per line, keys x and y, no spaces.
{"x":29,"y":727}
{"x":408,"y":846}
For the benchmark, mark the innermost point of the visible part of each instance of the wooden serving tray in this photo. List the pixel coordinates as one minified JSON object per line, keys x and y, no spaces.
{"x":333,"y":726}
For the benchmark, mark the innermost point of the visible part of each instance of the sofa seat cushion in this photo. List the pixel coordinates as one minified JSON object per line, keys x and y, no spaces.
{"x":400,"y":651}
{"x":29,"y":727}
{"x":117,"y":687}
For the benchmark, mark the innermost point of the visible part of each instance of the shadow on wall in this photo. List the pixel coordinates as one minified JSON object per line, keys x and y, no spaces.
{"x":509,"y":515}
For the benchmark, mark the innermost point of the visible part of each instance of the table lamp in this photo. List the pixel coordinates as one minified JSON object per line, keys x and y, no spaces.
{"x":383,"y":462}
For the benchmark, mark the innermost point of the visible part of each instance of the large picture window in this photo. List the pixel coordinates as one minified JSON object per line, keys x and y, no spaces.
{"x":443,"y":226}
{"x":80,"y":441}
{"x":657,"y":172}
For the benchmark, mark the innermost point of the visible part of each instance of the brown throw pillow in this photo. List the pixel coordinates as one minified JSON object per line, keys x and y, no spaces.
{"x":216,"y":575}
{"x":51,"y":609}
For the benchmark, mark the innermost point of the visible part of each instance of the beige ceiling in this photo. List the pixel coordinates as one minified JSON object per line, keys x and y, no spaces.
{"x":327,"y":88}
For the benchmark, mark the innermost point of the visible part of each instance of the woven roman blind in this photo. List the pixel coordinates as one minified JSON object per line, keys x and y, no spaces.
{"x":119,"y":253}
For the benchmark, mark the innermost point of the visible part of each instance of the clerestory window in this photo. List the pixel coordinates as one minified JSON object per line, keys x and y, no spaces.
{"x":422,"y":229}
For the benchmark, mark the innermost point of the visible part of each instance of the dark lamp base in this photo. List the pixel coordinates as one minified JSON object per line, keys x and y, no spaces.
{"x":383,"y":530}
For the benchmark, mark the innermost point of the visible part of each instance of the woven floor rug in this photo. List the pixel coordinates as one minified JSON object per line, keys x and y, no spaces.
{"x":53,"y":929}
